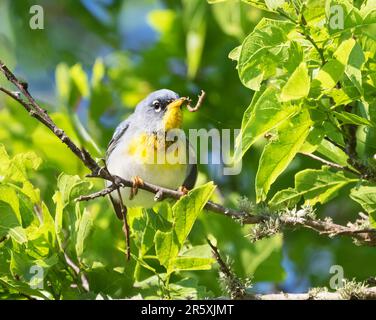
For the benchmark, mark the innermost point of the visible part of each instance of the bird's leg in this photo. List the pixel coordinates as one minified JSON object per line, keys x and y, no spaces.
{"x":136,"y":182}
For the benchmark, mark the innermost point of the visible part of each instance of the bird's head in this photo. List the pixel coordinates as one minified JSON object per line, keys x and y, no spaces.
{"x":160,"y":111}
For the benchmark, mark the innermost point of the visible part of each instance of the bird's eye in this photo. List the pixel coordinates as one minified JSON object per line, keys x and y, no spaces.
{"x":157,"y":106}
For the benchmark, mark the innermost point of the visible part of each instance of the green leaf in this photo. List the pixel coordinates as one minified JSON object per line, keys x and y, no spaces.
{"x":351,"y":16}
{"x":230,"y":17}
{"x":365,"y":195}
{"x":166,"y":247}
{"x":71,"y":187}
{"x":31,"y":192}
{"x":18,"y":234}
{"x":298,"y":85}
{"x":329,"y":75}
{"x":316,"y":186}
{"x":332,"y":152}
{"x":8,"y":219}
{"x":21,"y":265}
{"x":319,"y":186}
{"x":4,"y":160}
{"x":343,"y":52}
{"x":350,"y":118}
{"x":216,"y":1}
{"x":287,"y":198}
{"x":201,"y":251}
{"x":9,"y":195}
{"x":370,"y":147}
{"x":295,"y":57}
{"x":187,"y":209}
{"x":47,"y":227}
{"x":235,"y":53}
{"x":314,"y":11}
{"x":84,"y":228}
{"x":98,"y":72}
{"x":264,"y":114}
{"x":19,"y":164}
{"x":79,"y":78}
{"x":280,"y":152}
{"x":24,"y":288}
{"x":313,"y":141}
{"x":263,"y":51}
{"x":368,"y":12}
{"x":256,"y":3}
{"x":185,"y":213}
{"x":194,"y":16}
{"x":353,"y":68}
{"x":333,"y":70}
{"x":192,"y":263}
{"x":63,"y":82}
{"x":274,"y":4}
{"x":59,"y":218}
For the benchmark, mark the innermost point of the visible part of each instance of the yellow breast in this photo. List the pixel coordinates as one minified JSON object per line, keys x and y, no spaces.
{"x":150,"y":149}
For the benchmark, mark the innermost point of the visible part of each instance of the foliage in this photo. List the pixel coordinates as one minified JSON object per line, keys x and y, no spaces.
{"x":311,"y":90}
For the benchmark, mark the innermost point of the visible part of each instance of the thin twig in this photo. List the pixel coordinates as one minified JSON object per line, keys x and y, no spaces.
{"x":101,"y":193}
{"x":76,"y":269}
{"x":124,"y":212}
{"x":309,"y":38}
{"x":330,"y":164}
{"x":234,"y":285}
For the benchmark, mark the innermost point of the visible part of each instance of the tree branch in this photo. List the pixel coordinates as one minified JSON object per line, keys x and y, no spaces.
{"x":238,"y":290}
{"x":234,"y":286}
{"x":326,"y":227}
{"x":320,"y":294}
{"x":367,"y":237}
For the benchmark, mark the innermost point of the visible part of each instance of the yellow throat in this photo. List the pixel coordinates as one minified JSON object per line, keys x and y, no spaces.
{"x":173,"y":117}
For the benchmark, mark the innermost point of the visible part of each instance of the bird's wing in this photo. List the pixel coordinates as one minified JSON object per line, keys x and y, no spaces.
{"x":119,"y":132}
{"x":191,"y":178}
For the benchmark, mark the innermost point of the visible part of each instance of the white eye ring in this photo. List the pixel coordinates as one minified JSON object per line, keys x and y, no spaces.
{"x":157,"y":106}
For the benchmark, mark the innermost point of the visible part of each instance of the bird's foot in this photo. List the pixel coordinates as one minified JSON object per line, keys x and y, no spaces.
{"x":136,"y":183}
{"x":183,"y":190}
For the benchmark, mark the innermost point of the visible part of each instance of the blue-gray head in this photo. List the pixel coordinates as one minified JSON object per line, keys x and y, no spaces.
{"x":160,"y":110}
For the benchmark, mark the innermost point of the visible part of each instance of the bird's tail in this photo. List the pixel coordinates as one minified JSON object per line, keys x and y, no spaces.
{"x":117,"y":208}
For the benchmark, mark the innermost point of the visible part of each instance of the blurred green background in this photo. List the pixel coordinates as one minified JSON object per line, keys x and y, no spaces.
{"x":94,"y":61}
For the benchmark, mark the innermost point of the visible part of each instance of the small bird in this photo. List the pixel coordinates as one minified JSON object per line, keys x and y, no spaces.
{"x":132,"y":153}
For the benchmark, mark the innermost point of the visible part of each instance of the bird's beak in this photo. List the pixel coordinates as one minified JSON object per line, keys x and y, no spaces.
{"x":173,"y":116}
{"x":176,"y":104}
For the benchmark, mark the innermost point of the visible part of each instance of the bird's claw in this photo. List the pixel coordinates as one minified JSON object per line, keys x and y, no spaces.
{"x":183,"y":190}
{"x":136,"y":183}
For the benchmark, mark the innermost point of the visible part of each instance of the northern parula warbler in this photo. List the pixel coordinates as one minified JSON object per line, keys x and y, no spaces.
{"x":132,"y":153}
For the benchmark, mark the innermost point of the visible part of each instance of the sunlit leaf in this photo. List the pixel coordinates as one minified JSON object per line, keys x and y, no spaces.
{"x":264,"y":114}
{"x":278,"y":154}
{"x":263,"y":51}
{"x":298,"y":84}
